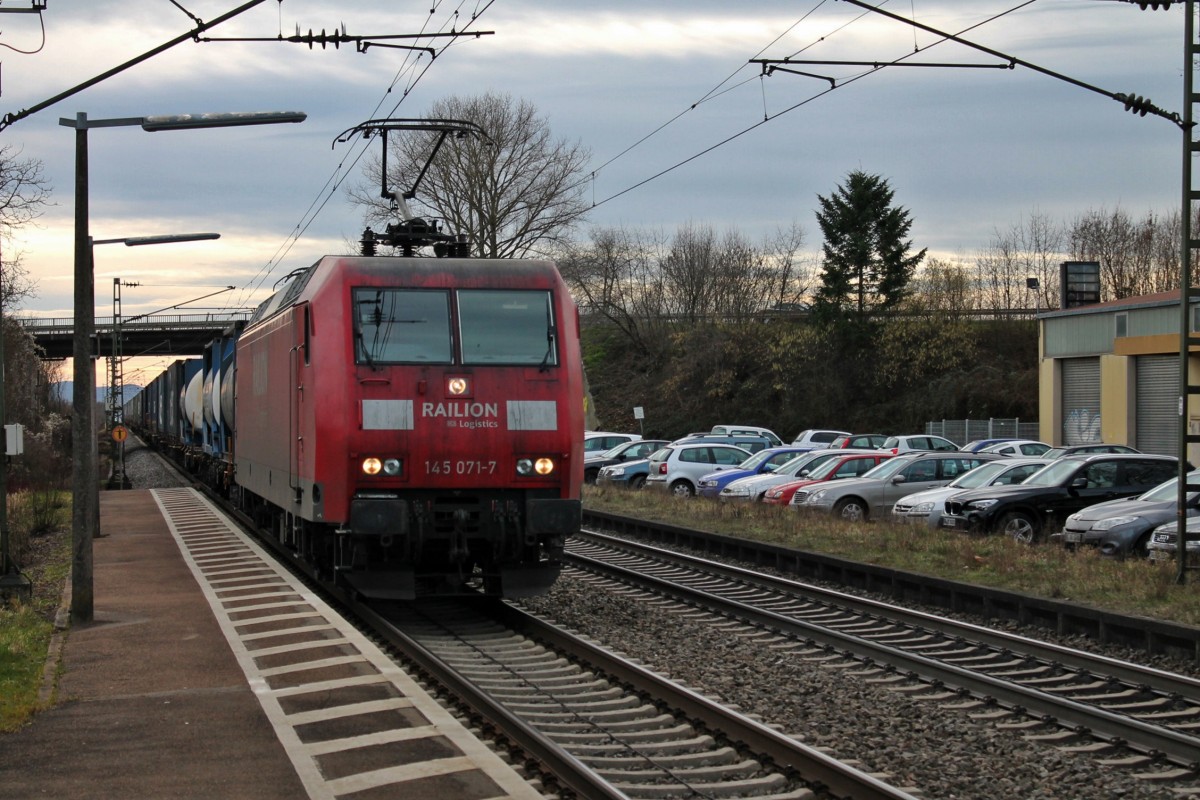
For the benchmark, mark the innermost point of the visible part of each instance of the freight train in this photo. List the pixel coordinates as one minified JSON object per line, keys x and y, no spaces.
{"x":407,"y":426}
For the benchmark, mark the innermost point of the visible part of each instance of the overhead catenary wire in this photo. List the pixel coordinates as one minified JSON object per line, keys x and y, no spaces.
{"x":1133,"y":103}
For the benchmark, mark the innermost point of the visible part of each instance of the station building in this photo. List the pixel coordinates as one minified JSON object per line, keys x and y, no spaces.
{"x":1109,"y":372}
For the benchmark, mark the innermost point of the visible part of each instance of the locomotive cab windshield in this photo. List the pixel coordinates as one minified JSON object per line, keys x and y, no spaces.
{"x":494,"y":326}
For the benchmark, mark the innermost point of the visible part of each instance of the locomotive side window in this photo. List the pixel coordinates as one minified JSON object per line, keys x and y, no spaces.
{"x":401,"y":326}
{"x":507,"y":327}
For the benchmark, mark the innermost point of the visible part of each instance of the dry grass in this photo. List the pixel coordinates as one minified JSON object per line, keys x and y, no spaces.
{"x":1129,"y":586}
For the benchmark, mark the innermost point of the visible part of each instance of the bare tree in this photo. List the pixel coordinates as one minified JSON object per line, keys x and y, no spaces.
{"x":1029,"y":249}
{"x":646,"y":286}
{"x":24,"y":192}
{"x":1136,"y":256}
{"x":792,"y":274}
{"x":616,"y":276}
{"x":518,"y":192}
{"x":942,"y":286}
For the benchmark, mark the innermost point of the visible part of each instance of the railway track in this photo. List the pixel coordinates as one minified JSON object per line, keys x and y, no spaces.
{"x":584,"y":721}
{"x":640,"y":733}
{"x":554,"y":723}
{"x":1154,"y":636}
{"x":1123,"y":714}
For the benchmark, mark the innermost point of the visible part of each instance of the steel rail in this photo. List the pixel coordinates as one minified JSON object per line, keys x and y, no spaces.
{"x":1137,"y":674}
{"x":570,"y":771}
{"x":809,"y":764}
{"x":1176,"y":746}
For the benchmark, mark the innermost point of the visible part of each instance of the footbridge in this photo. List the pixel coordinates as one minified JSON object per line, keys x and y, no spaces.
{"x":153,"y":335}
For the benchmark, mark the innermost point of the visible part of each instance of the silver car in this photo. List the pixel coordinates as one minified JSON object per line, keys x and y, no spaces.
{"x":678,"y":467}
{"x":1164,"y":542}
{"x":927,"y":506}
{"x":874,"y":494}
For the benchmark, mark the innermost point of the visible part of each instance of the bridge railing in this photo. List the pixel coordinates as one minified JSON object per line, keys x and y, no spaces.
{"x":64,"y":325}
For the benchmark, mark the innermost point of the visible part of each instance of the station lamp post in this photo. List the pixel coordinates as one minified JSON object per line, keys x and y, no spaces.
{"x":85,"y":497}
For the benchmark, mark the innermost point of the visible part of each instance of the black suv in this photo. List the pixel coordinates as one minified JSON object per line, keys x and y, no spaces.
{"x":1059,"y":489}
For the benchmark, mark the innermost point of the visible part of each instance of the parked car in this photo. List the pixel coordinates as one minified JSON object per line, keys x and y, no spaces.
{"x":599,"y":441}
{"x":848,"y":465}
{"x":678,"y":467}
{"x":817,"y":439}
{"x":926,"y":507}
{"x":752,"y":488}
{"x":747,"y":430}
{"x":752,"y":443}
{"x":764,"y":461}
{"x":629,"y":451}
{"x":1123,"y":527}
{"x":978,"y":444}
{"x":1086,"y":449}
{"x":1018,"y":447}
{"x":919,"y":443}
{"x":1164,"y":542}
{"x":864,"y":441}
{"x":874,"y":494}
{"x":629,"y":475}
{"x":1057,"y":490}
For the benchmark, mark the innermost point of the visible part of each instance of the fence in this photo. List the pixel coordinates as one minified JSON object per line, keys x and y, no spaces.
{"x":961,"y":431}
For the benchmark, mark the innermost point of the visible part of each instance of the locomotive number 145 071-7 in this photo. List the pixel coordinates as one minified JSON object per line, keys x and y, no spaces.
{"x":460,"y":467}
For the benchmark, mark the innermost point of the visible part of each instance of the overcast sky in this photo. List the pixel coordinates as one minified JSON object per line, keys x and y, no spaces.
{"x":648,"y":87}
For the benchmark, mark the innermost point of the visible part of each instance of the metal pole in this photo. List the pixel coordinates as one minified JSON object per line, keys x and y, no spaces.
{"x":1185,"y":270}
{"x":84,"y":488}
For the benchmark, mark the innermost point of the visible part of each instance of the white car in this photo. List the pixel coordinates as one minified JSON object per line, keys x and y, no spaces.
{"x":1017,"y":448}
{"x":927,"y":506}
{"x":747,"y":430}
{"x":817,"y":439}
{"x":918,"y":443}
{"x":678,"y":468}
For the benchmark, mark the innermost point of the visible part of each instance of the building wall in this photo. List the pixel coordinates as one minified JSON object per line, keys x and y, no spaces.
{"x":1117,"y":408}
{"x":1050,"y":419}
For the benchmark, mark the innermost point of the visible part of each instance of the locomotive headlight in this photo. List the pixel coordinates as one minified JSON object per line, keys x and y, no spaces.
{"x":458,"y":386}
{"x":530,"y":466}
{"x":386,"y":466}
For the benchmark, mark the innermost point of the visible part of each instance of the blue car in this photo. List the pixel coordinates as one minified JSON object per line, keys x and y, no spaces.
{"x":763,"y":461}
{"x":626,"y":475}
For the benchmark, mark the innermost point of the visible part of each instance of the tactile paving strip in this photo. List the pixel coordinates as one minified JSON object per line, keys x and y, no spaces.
{"x":350,"y":720}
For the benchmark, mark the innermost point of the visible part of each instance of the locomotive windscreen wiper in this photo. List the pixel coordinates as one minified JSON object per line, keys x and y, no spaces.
{"x":550,"y":334}
{"x":362,"y":343}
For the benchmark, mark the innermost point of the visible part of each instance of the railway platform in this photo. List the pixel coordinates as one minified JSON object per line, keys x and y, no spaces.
{"x":155,"y":698}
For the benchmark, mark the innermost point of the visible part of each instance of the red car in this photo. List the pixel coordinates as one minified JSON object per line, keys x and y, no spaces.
{"x":851,"y":465}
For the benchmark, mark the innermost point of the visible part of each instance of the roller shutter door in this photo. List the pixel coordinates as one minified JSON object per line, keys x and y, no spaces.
{"x":1081,"y":400}
{"x":1157,"y":398}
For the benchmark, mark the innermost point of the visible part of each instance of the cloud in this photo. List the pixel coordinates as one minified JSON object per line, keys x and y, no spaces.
{"x":967,"y":150}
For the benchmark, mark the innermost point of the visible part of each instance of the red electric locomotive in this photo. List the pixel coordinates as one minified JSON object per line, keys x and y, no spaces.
{"x":414,"y":426}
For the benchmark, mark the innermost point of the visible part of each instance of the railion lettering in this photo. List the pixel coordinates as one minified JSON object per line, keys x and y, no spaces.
{"x":460,"y":410}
